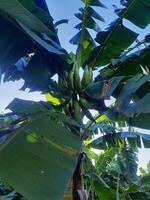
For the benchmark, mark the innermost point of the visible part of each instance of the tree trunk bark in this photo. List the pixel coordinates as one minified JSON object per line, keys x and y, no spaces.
{"x":77,"y":179}
{"x":78,"y":191}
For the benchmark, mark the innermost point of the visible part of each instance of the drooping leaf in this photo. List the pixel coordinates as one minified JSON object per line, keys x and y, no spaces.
{"x":129,"y":89}
{"x":17,"y":11}
{"x":42,"y":156}
{"x":141,"y":7}
{"x":132,"y":7}
{"x":39,"y":68}
{"x":36,"y":73}
{"x":24,"y":107}
{"x":40,"y":10}
{"x":12,"y":48}
{"x":112,"y":42}
{"x":41,"y":42}
{"x":141,"y":106}
{"x":103,"y":89}
{"x":29,"y":41}
{"x":128,"y":64}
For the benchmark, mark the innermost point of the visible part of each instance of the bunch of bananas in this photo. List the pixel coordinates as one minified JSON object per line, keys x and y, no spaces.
{"x":74,"y":84}
{"x":74,"y":80}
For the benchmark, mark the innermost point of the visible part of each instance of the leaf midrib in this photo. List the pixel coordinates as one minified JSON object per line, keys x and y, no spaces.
{"x":111,"y":33}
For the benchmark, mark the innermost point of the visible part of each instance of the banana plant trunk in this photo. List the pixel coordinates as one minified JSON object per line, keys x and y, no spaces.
{"x":78,"y":191}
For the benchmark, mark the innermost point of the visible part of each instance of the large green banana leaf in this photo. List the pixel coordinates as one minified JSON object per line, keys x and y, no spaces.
{"x":117,"y":37}
{"x":128,"y":65}
{"x":38,"y":161}
{"x":16,"y":10}
{"x":142,"y":7}
{"x":112,"y":42}
{"x":33,"y":34}
{"x":39,"y":9}
{"x":132,"y":97}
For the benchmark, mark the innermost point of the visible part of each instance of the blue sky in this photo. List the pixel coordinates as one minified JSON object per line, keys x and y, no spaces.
{"x":64,"y":9}
{"x":59,"y":9}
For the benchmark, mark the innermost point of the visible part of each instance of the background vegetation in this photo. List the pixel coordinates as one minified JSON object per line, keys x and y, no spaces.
{"x":46,"y":148}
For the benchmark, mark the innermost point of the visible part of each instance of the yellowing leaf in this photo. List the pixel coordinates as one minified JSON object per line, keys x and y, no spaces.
{"x":68,"y":192}
{"x":52,"y":99}
{"x":87,"y":142}
{"x":70,"y":151}
{"x":101,"y":118}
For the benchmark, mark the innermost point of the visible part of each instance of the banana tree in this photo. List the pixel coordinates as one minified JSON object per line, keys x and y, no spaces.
{"x":44,"y":146}
{"x":112,"y":170}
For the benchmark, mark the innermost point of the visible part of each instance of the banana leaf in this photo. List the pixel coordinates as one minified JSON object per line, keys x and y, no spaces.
{"x":39,"y":159}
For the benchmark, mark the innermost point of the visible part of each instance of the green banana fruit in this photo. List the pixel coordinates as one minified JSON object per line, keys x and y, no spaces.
{"x":77,"y":111}
{"x":87,"y":77}
{"x":90,"y":75}
{"x":70,"y":80}
{"x":63,"y":83}
{"x":76,"y":78}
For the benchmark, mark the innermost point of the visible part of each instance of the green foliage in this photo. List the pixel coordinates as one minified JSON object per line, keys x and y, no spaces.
{"x":117,"y":37}
{"x":34,"y":45}
{"x":131,"y":186}
{"x":43,"y":141}
{"x":45,"y":147}
{"x":114,"y":175}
